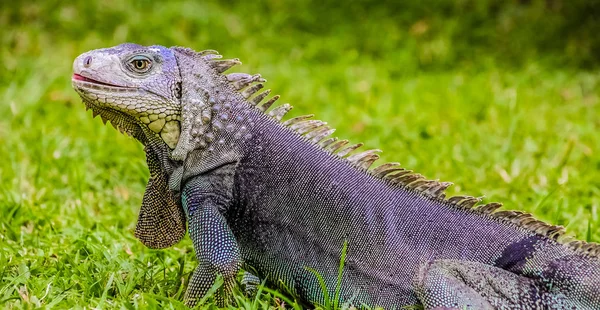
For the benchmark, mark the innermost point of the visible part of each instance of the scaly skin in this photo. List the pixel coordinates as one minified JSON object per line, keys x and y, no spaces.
{"x":282,"y":198}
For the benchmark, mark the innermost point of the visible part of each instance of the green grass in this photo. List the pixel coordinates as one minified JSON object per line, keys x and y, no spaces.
{"x":506,"y":111}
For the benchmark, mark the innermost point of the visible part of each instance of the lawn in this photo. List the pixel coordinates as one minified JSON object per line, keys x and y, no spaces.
{"x":502,"y":98}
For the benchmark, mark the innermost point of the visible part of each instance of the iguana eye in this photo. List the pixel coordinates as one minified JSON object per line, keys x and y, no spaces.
{"x":141,"y":64}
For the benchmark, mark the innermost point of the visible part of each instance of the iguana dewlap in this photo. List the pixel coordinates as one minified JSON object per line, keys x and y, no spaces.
{"x":281,"y":198}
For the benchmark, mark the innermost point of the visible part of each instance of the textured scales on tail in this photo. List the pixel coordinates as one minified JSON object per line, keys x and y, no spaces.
{"x":318,"y":133}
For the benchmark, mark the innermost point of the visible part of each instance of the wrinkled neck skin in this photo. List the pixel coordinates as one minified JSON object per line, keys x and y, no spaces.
{"x":224,"y":138}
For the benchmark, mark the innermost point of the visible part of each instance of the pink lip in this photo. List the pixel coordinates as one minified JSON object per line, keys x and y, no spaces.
{"x":79,"y":77}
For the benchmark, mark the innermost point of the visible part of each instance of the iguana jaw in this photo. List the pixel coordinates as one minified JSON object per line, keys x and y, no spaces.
{"x":91,"y":82}
{"x":107,"y":85}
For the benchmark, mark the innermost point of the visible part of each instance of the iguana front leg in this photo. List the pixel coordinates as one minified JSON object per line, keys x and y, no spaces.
{"x":215,"y":245}
{"x":455,"y":284}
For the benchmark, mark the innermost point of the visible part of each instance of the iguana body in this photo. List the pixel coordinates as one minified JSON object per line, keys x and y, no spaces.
{"x":281,"y":198}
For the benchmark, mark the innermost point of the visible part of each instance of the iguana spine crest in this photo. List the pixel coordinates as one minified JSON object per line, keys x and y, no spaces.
{"x":317,"y":132}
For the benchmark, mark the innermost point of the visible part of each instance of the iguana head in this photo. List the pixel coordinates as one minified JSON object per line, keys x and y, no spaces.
{"x":136,"y":88}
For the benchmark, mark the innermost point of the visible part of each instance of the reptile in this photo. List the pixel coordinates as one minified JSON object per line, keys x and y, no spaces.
{"x":289,"y":203}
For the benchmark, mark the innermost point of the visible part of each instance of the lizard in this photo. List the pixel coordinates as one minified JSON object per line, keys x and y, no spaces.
{"x":284,"y":199}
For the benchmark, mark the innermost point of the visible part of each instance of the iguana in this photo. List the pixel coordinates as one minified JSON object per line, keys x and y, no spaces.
{"x":282,"y":198}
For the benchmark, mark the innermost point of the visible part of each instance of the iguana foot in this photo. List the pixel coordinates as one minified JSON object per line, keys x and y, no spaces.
{"x":250,"y":283}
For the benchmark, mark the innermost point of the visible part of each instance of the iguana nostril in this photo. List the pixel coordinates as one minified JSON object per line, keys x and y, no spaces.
{"x":87,"y":62}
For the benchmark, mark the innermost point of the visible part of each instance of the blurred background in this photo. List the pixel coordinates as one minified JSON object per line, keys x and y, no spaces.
{"x":500,"y":97}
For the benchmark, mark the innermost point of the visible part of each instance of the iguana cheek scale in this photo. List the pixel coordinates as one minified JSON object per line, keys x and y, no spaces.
{"x":282,"y":197}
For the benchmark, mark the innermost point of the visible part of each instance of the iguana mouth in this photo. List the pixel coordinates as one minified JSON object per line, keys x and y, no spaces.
{"x":79,"y":77}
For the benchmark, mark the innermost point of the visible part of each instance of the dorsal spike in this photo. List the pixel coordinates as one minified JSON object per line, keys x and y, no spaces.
{"x":469,"y":202}
{"x":381,"y":171}
{"x":226,"y":64}
{"x":365,"y":159}
{"x":366,"y":162}
{"x":208,"y":52}
{"x":246,"y":93}
{"x":408,"y":178}
{"x":325,"y":143}
{"x":528,"y":220}
{"x":398,"y":174}
{"x":502,"y":213}
{"x":588,"y":247}
{"x":565,"y":239}
{"x":421,"y":185}
{"x":309,"y":127}
{"x":456,"y":199}
{"x":320,"y":134}
{"x":302,"y":124}
{"x":279,"y":112}
{"x":265,"y":106}
{"x":297,"y":119}
{"x":337,"y":145}
{"x":575,"y":244}
{"x":490,"y":207}
{"x":534,"y":225}
{"x":349,"y":149}
{"x":437,"y":190}
{"x":258,"y":98}
{"x":210,"y":57}
{"x":507,"y":215}
{"x":555,"y":232}
{"x":311,"y":134}
{"x":238,"y":82}
{"x":523,"y":215}
{"x":237,"y":76}
{"x":357,"y":157}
